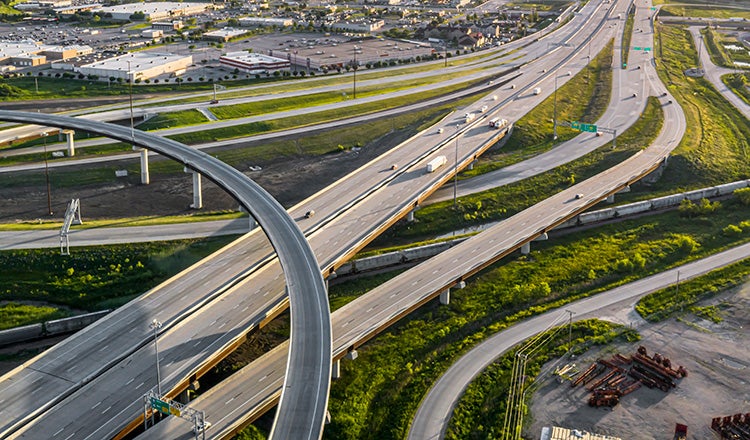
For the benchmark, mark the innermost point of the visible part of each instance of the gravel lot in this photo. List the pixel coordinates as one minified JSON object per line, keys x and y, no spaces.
{"x":717,"y":357}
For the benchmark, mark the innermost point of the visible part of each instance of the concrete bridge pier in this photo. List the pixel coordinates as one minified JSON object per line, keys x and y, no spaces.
{"x":184,"y":396}
{"x":336,"y":369}
{"x":69,"y":137}
{"x":410,"y":215}
{"x":526,"y":248}
{"x":145,"y":180}
{"x":197,"y":189}
{"x":611,"y":198}
{"x":445,"y":296}
{"x":471,"y":165}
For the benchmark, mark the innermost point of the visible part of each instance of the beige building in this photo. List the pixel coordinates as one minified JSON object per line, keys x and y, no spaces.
{"x":138,"y":66}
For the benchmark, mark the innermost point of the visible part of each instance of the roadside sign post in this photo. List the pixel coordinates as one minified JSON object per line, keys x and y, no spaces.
{"x":153,"y":403}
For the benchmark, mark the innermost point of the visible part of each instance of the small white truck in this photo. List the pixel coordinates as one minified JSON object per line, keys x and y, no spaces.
{"x":498,"y":123}
{"x":436,"y":163}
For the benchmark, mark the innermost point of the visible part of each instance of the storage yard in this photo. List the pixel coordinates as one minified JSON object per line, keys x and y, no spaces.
{"x":703,"y":385}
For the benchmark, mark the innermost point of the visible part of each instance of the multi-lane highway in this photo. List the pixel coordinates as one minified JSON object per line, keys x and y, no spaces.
{"x":379,"y":206}
{"x":254,"y":387}
{"x":302,"y":413}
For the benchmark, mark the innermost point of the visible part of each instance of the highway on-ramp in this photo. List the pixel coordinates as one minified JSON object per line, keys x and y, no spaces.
{"x":307,"y":383}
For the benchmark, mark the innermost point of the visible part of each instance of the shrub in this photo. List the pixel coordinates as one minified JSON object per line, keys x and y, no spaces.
{"x":743,"y":195}
{"x":704,"y":207}
{"x":732,"y":231}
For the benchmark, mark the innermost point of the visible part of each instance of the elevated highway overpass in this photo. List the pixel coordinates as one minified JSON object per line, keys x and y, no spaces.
{"x":309,"y":361}
{"x":211,"y":334}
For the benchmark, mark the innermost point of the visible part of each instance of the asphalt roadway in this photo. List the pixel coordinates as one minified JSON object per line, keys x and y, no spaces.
{"x":435,"y":411}
{"x":302,"y":413}
{"x":253,"y":388}
{"x":463,"y":155}
{"x":714,"y":73}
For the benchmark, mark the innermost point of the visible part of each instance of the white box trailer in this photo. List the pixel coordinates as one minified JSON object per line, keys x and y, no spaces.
{"x":498,"y":123}
{"x":436,"y":163}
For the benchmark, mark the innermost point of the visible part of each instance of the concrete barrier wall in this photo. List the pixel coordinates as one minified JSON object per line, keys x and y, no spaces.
{"x":18,"y":334}
{"x":633,"y":208}
{"x":49,"y":328}
{"x":594,"y":216}
{"x":667,"y":201}
{"x":72,"y":324}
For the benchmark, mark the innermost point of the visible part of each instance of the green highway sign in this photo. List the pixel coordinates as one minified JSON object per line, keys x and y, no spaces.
{"x":647,"y":49}
{"x":164,"y":407}
{"x":653,"y":8}
{"x":591,"y":128}
{"x":637,"y":48}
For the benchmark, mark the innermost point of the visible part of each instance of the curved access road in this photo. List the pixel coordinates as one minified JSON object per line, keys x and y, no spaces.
{"x":435,"y":411}
{"x":714,"y":73}
{"x":305,"y":398}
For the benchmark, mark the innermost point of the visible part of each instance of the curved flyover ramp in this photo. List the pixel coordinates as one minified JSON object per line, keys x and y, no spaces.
{"x":304,"y":399}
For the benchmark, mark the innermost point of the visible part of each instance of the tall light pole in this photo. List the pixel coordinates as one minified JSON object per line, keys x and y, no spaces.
{"x":354,"y":93}
{"x":130,"y":94}
{"x":455,"y":172}
{"x":46,"y":175}
{"x":155,"y":326}
{"x":554,"y":112}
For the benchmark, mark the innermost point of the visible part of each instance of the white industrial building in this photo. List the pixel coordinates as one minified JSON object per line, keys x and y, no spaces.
{"x":138,"y":66}
{"x":254,"y":62}
{"x":266,"y":21}
{"x":29,"y":53}
{"x":156,"y":11}
{"x":224,"y":34}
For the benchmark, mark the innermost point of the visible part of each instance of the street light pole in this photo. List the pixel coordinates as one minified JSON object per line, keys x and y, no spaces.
{"x":455,"y":172}
{"x":130,"y":95}
{"x":355,"y":73}
{"x":46,"y":175}
{"x":155,"y":326}
{"x":554,"y":112}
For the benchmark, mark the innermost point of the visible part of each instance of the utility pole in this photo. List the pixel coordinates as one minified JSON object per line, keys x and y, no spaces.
{"x":155,"y":326}
{"x":455,"y":172}
{"x":46,"y":175}
{"x":130,"y":94}
{"x":570,"y":329}
{"x":554,"y":112}
{"x":355,"y":72}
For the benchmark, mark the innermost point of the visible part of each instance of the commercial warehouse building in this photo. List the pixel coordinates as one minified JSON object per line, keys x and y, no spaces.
{"x":254,"y":62}
{"x":138,"y":66}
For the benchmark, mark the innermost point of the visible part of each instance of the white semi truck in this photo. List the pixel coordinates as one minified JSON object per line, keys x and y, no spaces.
{"x":498,"y":123}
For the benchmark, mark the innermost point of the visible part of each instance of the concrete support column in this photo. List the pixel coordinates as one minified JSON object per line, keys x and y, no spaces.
{"x":183,"y":397}
{"x":526,"y":249}
{"x":145,"y":180}
{"x":197,"y":189}
{"x":543,"y":236}
{"x":69,"y":137}
{"x":471,"y":165}
{"x":336,"y":369}
{"x":410,"y":216}
{"x":611,"y":198}
{"x":624,"y":190}
{"x":352,"y":355}
{"x":445,"y":296}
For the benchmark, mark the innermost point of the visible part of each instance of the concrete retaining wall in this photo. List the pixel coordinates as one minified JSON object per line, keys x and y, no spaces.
{"x":49,"y":328}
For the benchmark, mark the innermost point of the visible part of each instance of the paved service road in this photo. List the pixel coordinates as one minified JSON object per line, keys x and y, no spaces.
{"x":305,"y":399}
{"x":714,"y":73}
{"x":435,"y":411}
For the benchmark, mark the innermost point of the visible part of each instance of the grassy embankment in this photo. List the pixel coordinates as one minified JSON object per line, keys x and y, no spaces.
{"x":702,"y":10}
{"x":481,"y":411}
{"x":739,"y":83}
{"x":584,"y":98}
{"x":94,"y":278}
{"x":627,"y":35}
{"x":715,"y":47}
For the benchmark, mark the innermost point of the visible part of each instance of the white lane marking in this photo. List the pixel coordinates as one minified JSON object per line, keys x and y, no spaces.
{"x":139,"y":385}
{"x":130,"y":381}
{"x":108,"y":408}
{"x":58,"y":431}
{"x":97,"y":404}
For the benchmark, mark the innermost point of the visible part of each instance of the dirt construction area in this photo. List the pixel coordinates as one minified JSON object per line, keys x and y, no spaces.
{"x":716,"y":356}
